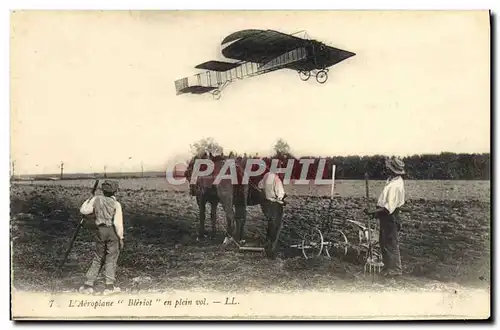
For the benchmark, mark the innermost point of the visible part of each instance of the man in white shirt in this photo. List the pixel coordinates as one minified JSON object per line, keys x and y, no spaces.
{"x":389,"y":203}
{"x":108,"y":218}
{"x":272,"y":206}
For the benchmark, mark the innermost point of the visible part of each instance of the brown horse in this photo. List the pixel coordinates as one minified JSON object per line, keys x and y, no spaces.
{"x":234,"y":198}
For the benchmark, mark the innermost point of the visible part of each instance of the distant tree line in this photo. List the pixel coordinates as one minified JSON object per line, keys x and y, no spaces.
{"x":444,"y":166}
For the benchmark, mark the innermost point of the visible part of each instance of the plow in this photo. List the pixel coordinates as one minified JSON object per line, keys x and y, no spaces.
{"x":332,"y":244}
{"x":316,"y":243}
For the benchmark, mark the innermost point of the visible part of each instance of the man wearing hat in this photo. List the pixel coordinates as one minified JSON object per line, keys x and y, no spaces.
{"x":108,"y":218}
{"x":389,"y":203}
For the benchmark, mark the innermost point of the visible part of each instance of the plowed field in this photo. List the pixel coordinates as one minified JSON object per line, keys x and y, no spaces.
{"x":445,"y":239}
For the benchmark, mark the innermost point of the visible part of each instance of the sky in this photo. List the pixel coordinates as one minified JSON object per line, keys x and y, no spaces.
{"x":95,"y":89}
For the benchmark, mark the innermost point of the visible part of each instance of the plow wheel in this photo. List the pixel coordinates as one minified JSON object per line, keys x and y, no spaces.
{"x":337,"y":243}
{"x":312,"y":244}
{"x":304,"y":75}
{"x":322,"y":76}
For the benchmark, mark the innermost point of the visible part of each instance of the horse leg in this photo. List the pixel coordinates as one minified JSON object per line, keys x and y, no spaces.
{"x":202,"y":209}
{"x":228,"y":209}
{"x":240,"y":217}
{"x":213,"y":217}
{"x":241,"y":212}
{"x":243,"y":218}
{"x":226,"y":199}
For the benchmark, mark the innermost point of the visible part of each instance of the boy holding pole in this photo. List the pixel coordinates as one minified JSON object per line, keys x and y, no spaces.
{"x":109,"y":236}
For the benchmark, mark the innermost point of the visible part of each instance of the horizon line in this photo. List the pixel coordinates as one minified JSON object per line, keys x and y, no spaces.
{"x":156,"y":171}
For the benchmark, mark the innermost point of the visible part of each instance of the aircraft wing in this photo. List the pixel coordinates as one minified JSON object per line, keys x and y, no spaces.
{"x":217,"y":66}
{"x":240,"y":34}
{"x":259,"y":46}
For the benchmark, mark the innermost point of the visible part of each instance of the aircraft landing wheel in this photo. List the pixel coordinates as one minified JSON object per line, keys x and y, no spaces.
{"x":322,"y":76}
{"x":304,"y":75}
{"x":216,"y":94}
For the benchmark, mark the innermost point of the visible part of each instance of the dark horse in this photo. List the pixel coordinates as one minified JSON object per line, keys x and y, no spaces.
{"x":234,"y":199}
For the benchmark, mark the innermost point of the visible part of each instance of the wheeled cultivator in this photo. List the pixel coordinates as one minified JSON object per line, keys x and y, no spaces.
{"x":316,"y":243}
{"x":336,"y":243}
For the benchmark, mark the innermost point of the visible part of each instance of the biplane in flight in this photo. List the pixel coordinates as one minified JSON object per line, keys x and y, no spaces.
{"x":256,"y":52}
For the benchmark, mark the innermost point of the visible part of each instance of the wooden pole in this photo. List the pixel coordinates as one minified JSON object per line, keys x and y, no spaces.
{"x":367,"y":192}
{"x":333,"y":181}
{"x":65,"y":257}
{"x":370,"y":252}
